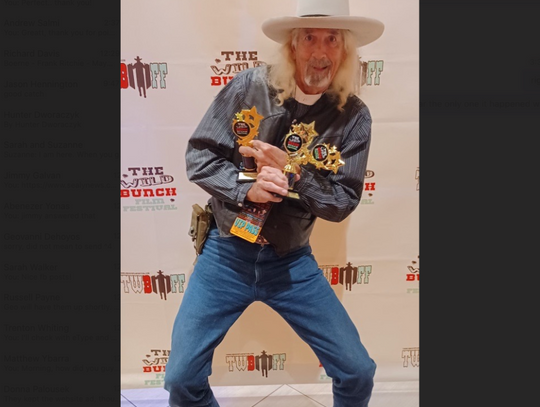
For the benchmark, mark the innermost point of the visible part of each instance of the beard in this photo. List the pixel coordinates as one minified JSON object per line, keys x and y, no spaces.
{"x":315,"y":77}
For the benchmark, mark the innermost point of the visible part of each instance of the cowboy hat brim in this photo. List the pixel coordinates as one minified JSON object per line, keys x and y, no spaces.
{"x":365,"y":30}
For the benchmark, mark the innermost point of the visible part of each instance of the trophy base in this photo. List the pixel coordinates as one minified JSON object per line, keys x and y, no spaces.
{"x":293,"y":195}
{"x":290,"y":195}
{"x":245,"y":176}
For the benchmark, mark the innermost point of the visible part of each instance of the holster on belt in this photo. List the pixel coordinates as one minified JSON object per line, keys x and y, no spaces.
{"x":200,"y":225}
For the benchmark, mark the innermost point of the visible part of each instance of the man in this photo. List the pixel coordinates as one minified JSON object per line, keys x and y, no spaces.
{"x":312,"y":85}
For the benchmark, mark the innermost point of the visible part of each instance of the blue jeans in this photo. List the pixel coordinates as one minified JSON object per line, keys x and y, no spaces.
{"x":232,"y":273}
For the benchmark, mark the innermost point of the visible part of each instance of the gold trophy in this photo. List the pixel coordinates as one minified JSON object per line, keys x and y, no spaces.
{"x":245,"y":126}
{"x":296,"y":144}
{"x":327,"y":157}
{"x":250,"y":220}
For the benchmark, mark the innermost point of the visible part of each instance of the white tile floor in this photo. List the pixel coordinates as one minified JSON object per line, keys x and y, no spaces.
{"x":385,"y":394}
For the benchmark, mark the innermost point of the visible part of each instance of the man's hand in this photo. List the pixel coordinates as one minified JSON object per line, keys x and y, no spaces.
{"x":269,"y":181}
{"x":265,"y":155}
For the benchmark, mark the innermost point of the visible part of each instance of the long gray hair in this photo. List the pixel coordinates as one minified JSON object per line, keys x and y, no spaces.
{"x":345,"y":83}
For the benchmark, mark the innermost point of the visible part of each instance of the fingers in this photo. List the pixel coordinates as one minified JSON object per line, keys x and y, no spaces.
{"x":265,"y":154}
{"x":258,"y":144}
{"x":274,"y":155}
{"x":273,"y":181}
{"x":247,"y":151}
{"x":258,"y":194}
{"x":268,"y":183}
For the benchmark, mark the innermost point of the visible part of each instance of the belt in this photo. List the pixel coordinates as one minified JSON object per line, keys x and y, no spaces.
{"x":261,"y":240}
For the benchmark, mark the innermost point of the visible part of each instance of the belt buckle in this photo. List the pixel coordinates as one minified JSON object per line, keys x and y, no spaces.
{"x":261,"y":240}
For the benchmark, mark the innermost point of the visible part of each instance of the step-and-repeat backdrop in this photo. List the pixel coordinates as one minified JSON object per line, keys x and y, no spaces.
{"x":176,"y":55}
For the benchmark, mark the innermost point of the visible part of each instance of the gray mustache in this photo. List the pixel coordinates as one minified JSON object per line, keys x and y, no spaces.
{"x":319,"y":63}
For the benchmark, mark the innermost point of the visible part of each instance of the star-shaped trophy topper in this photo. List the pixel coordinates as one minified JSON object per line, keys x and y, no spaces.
{"x":327,"y":157}
{"x":322,"y":156}
{"x":297,"y":141}
{"x":307,"y":130}
{"x":246,"y":125}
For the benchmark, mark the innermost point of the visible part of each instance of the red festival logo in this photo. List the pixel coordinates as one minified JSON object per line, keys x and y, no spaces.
{"x":141,"y":76}
{"x":348,"y":275}
{"x":156,"y":361}
{"x":262,"y":363}
{"x":411,"y":357}
{"x":234,"y":62}
{"x":160,"y":283}
{"x":370,"y":72}
{"x":148,"y":186}
{"x":369,"y":187}
{"x":414,"y":270}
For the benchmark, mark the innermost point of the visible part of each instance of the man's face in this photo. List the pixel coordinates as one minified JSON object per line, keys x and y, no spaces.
{"x":318,"y":54}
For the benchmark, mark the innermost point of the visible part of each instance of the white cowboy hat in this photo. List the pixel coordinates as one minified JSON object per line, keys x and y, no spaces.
{"x":324,"y":14}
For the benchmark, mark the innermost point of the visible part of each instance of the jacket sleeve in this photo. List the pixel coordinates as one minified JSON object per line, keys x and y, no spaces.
{"x":211,"y":148}
{"x":331,"y":196}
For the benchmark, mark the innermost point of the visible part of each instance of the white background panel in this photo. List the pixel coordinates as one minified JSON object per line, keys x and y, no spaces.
{"x":191,"y":38}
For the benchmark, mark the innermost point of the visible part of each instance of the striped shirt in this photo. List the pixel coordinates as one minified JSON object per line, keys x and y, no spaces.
{"x":213,"y":161}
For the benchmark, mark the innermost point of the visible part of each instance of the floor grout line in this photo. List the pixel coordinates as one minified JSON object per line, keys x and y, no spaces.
{"x":268,"y":395}
{"x":318,"y":396}
{"x":128,"y":400}
{"x":306,"y":395}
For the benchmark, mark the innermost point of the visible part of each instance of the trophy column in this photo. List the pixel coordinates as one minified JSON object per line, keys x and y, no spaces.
{"x":245,"y":126}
